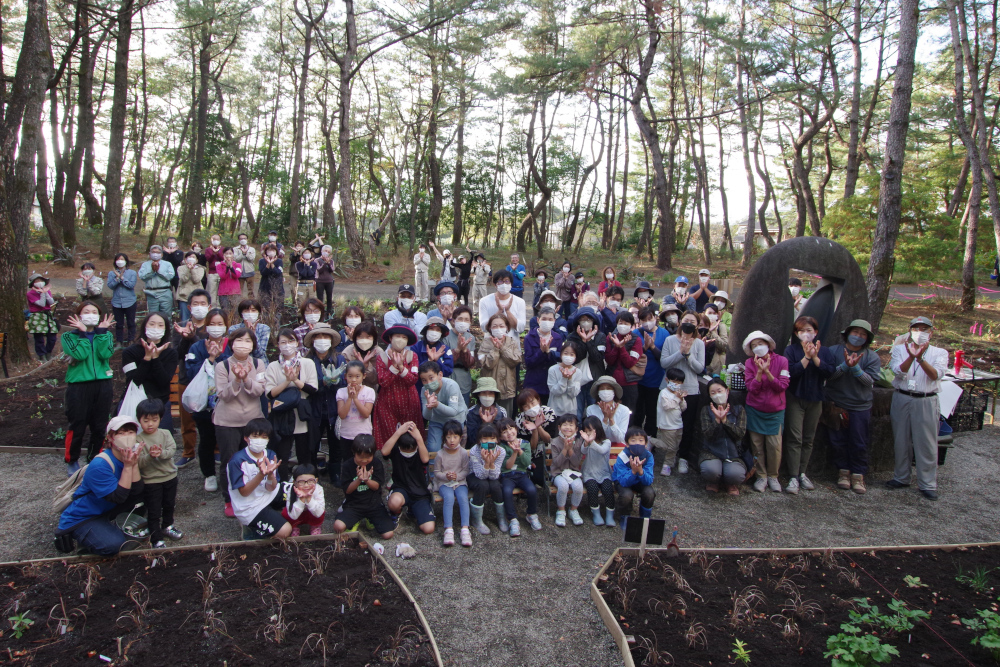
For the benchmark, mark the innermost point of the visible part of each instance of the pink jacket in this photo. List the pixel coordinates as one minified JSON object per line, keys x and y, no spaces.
{"x":229,"y":279}
{"x":764,"y":394}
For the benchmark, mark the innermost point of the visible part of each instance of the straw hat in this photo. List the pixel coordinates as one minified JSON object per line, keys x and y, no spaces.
{"x":321,"y":329}
{"x":606,"y":379}
{"x":755,"y":335}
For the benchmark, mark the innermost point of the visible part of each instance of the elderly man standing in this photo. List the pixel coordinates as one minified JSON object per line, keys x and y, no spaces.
{"x":517,"y":272}
{"x":157,"y":273}
{"x":421,"y":264}
{"x":919,"y":368}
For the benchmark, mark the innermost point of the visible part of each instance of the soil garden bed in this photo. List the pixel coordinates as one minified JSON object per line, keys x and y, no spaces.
{"x":702,"y":607}
{"x":310,"y":602}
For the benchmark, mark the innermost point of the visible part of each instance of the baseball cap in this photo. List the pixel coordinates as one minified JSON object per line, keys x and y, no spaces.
{"x":120,"y":421}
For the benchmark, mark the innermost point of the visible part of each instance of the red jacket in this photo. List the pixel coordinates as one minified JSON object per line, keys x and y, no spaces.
{"x":212,"y":256}
{"x":620,"y":358}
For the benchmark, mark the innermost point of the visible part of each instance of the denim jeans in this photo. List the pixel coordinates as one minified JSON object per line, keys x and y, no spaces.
{"x":100,"y":535}
{"x":448,"y":497}
{"x":518,"y":480}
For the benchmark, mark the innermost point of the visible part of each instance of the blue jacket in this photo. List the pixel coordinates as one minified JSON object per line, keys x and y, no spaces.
{"x":446,"y":362}
{"x":654,"y":371}
{"x":123,"y":291}
{"x":473,"y":421}
{"x":807,"y":383}
{"x":197,"y":355}
{"x":689,"y":303}
{"x":538,"y":363}
{"x":517,"y":281}
{"x":622,"y":474}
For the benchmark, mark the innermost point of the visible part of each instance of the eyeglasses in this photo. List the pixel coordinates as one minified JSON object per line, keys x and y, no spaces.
{"x":304,"y":483}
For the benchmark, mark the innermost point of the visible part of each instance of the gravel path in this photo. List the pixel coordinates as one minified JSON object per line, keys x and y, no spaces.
{"x":526,"y":602}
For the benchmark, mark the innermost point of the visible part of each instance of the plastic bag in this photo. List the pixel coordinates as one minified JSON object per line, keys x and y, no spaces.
{"x":195,"y":398}
{"x":134,"y":395}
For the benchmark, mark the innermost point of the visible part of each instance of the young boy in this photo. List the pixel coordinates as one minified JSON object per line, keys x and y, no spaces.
{"x":362,"y":479}
{"x":633,"y":476}
{"x":159,"y":474}
{"x":541,"y":284}
{"x":305,"y":505}
{"x":253,"y":485}
{"x":441,"y":401}
{"x":409,"y":480}
{"x":669,"y":427}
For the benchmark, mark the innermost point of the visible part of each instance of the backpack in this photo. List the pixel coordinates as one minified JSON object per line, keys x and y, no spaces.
{"x":66,"y":491}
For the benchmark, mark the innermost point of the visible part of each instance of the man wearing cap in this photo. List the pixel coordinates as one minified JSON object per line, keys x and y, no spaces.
{"x":421,"y":264}
{"x":446,"y":293}
{"x":406,"y":313}
{"x":481,"y":272}
{"x":643,"y":295}
{"x":850,"y":389}
{"x":705,"y":290}
{"x":157,"y":273}
{"x":517,"y":272}
{"x":448,"y":272}
{"x":918,"y":367}
{"x":680,"y":296}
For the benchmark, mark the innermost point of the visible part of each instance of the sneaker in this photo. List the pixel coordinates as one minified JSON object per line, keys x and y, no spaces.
{"x":929,"y":494}
{"x":774,"y":484}
{"x":316,"y":530}
{"x":760,"y":484}
{"x":449,"y":537}
{"x":229,"y":511}
{"x":211,"y":484}
{"x":172,"y":533}
{"x":806,"y":483}
{"x":184,"y":461}
{"x":160,"y":545}
{"x":665,"y":470}
{"x":858,"y":484}
{"x":515,"y":528}
{"x":574,"y":516}
{"x":296,"y":531}
{"x":793,"y":486}
{"x":843,"y":479}
{"x":395,"y":520}
{"x":561,"y":518}
{"x":72,"y":468}
{"x":893,"y":484}
{"x":466,"y":537}
{"x":712,"y":488}
{"x":534,"y":522}
{"x":682,"y":466}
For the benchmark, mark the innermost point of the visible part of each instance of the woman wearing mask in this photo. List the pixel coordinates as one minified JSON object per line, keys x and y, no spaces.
{"x":121,"y":282}
{"x":431,"y":346}
{"x":322,"y":344}
{"x":532,"y":418}
{"x":609,"y":409}
{"x":228,"y":272}
{"x":767,"y":379}
{"x":352,"y":317}
{"x":197,"y":250}
{"x":625,"y":357}
{"x":722,"y":304}
{"x":272,"y":280}
{"x":809,"y":366}
{"x":246,"y":255}
{"x":584,"y":328}
{"x":90,"y":287}
{"x":463,"y":348}
{"x":291,"y":372}
{"x":151,"y":363}
{"x":686,"y":352}
{"x":213,"y":349}
{"x":653,"y":338}
{"x":610,"y":280}
{"x":362,"y":348}
{"x":190,"y":275}
{"x":398,"y":401}
{"x":720,"y":454}
{"x":305,"y":271}
{"x":325,"y":267}
{"x":213,"y":257}
{"x":311,"y":315}
{"x":504,"y":303}
{"x":549,"y":300}
{"x":249,"y":314}
{"x":718,"y":333}
{"x":670,"y":318}
{"x":541,"y":352}
{"x":564,"y":290}
{"x":500,"y":354}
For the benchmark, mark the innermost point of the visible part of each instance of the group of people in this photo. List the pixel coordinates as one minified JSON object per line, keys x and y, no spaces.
{"x":607,"y":387}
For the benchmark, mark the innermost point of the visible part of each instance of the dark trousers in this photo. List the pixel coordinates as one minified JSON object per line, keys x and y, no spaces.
{"x":626,"y":494}
{"x":518,"y":480}
{"x":125,"y":317}
{"x":206,"y":442}
{"x":160,"y":499}
{"x":849,"y":445}
{"x":230,"y":441}
{"x":304,"y":452}
{"x":88,"y":405}
{"x":480,"y":487}
{"x":644,"y":416}
{"x":44,"y":343}
{"x":690,"y":420}
{"x":630,"y":396}
{"x":324,"y":292}
{"x":317,"y":429}
{"x":595,"y":490}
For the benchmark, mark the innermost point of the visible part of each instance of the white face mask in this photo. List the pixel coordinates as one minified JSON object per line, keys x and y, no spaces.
{"x":579,"y":281}
{"x":720,"y":305}
{"x":486,"y":401}
{"x":288,"y":349}
{"x":624,"y":329}
{"x":614,"y":304}
{"x":399,"y":343}
{"x":87,"y":273}
{"x":196,"y":249}
{"x":216,"y":243}
{"x":795,"y":289}
{"x":39,"y":285}
{"x":272,"y":238}
{"x":433,"y":336}
{"x":461,"y":327}
{"x":806,"y":337}
{"x":407,"y":455}
{"x":272,"y":255}
{"x":243,"y":241}
{"x":586,"y":325}
{"x":703,"y":280}
{"x":673,"y":386}
{"x":503,"y":288}
{"x":352,"y":321}
{"x":498,"y":332}
{"x":532,"y":412}
{"x":199,"y":312}
{"x":365,"y":344}
{"x":681,"y":291}
{"x":405,"y":304}
{"x":920,"y":337}
{"x":649,"y":325}
{"x":191,"y":261}
{"x":306,"y":257}
{"x":257,"y":445}
{"x":609,"y":276}
{"x":642,"y":295}
{"x":761,"y":350}
{"x":154,"y":334}
{"x":171,"y":246}
{"x":720,"y":398}
{"x":545,"y":326}
{"x":606,"y":395}
{"x":568,"y":359}
{"x":447,"y":299}
{"x":216,"y":332}
{"x":155,"y":256}
{"x":312,"y":318}
{"x":243,"y":347}
{"x":90,"y":319}
{"x":672,"y":320}
{"x":250,"y":317}
{"x":712,"y":317}
{"x":565,"y":269}
{"x":120,"y":263}
{"x":322,"y":344}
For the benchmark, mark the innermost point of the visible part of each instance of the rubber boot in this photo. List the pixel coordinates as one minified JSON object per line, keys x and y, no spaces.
{"x":645,"y":512}
{"x":476,"y":516}
{"x":609,"y":518}
{"x":501,"y":518}
{"x":598,"y":519}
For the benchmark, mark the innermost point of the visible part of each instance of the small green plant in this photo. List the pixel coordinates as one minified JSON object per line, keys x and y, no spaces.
{"x":58,"y":435}
{"x":913,"y":582}
{"x":852,"y":647}
{"x":741,"y":653}
{"x":978,"y":580}
{"x":988,"y":627}
{"x":901,"y":620}
{"x":20,"y":624}
{"x":393,"y":275}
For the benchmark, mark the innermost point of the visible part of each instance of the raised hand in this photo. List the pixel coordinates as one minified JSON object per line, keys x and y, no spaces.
{"x":488,"y":414}
{"x":567,"y":371}
{"x":149,"y":348}
{"x":463,"y":343}
{"x":160,"y":349}
{"x":292,"y":372}
{"x":76,"y":323}
{"x":107,"y":322}
{"x":686,"y":344}
{"x":432,"y":399}
{"x":608,"y":409}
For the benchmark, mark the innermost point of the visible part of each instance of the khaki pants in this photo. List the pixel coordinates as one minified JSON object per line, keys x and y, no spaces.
{"x":189,"y":430}
{"x":247,"y":285}
{"x":303,"y":292}
{"x":420,"y":280}
{"x":668,"y":442}
{"x":767,"y":449}
{"x":213,"y":288}
{"x":915,"y":430}
{"x":478,"y":292}
{"x":801,"y":419}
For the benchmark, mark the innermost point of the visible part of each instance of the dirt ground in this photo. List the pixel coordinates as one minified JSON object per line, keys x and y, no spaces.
{"x":526,"y":601}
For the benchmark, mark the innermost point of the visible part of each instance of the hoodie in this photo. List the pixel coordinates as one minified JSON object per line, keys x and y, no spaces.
{"x":622,"y":472}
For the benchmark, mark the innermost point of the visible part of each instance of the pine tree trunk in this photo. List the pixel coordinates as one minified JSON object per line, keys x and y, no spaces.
{"x":116,"y":145}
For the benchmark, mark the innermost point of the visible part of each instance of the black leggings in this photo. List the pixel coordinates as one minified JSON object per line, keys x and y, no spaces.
{"x":125,"y":323}
{"x":595,"y":490}
{"x":316,"y":430}
{"x":304,"y":452}
{"x":690,"y":420}
{"x":160,"y":499}
{"x":327,"y":289}
{"x":206,"y":442}
{"x":88,"y":406}
{"x":644,"y":416}
{"x":480,"y":487}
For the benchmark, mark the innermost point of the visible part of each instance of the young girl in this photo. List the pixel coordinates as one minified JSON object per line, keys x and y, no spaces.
{"x":767,"y":378}
{"x":305,"y":504}
{"x":609,"y":274}
{"x":249,"y":312}
{"x":596,"y":450}
{"x":567,"y":460}
{"x":291,"y":371}
{"x":485,"y":464}
{"x":151,"y":363}
{"x":463,"y":347}
{"x":398,"y":398}
{"x":431,"y":346}
{"x":633,"y":476}
{"x":229,"y":272}
{"x":190,"y":275}
{"x":564,"y":380}
{"x":354,"y":407}
{"x":214,"y":348}
{"x":90,"y":286}
{"x":321,"y":343}
{"x":364,"y":349}
{"x":624,"y":352}
{"x":451,"y":467}
{"x":541,"y":352}
{"x":353,"y":316}
{"x":213,"y":256}
{"x":500,"y":354}
{"x":537,"y":423}
{"x":722,"y":428}
{"x":88,"y":380}
{"x":41,"y":324}
{"x":517,"y":464}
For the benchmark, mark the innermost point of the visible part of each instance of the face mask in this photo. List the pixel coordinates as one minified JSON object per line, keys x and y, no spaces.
{"x":257,"y":445}
{"x":503,"y":288}
{"x":643,"y":295}
{"x":609,"y":276}
{"x":673,"y":386}
{"x":586,"y":325}
{"x":306,"y":257}
{"x":154,"y":334}
{"x":606,"y":395}
{"x":312,"y":318}
{"x":568,"y":359}
{"x":532,"y":412}
{"x":712,"y":317}
{"x":703,"y":331}
{"x":215,"y":332}
{"x":720,"y":398}
{"x":352,"y":321}
{"x":423,"y":250}
{"x":545,"y":326}
{"x":649,"y":325}
{"x":191,"y":261}
{"x":326,"y":253}
{"x":672,"y":320}
{"x":90,"y":319}
{"x":199,"y":312}
{"x":243,"y":347}
{"x":120,"y":263}
{"x":405,"y":304}
{"x":433,"y":336}
{"x":761,"y":350}
{"x":171,"y":246}
{"x":857,"y":341}
{"x":272,"y":238}
{"x":498,"y":332}
{"x":364,"y":344}
{"x":540,"y":279}
{"x":919,"y":337}
{"x":461,"y":327}
{"x":637,"y":450}
{"x":155,"y":256}
{"x":288,"y":349}
{"x":614,"y":304}
{"x":681,"y":292}
{"x":196,"y":249}
{"x":39,"y":285}
{"x":720,"y":305}
{"x":250,"y":317}
{"x":795,"y":289}
{"x":216,"y":243}
{"x":243,"y":241}
{"x":433,"y":385}
{"x":322,"y":344}
{"x":399,"y":343}
{"x":624,"y":329}
{"x":447,"y":299}
{"x":565,"y":269}
{"x":87,"y":273}
{"x":408,"y":455}
{"x":125,"y":440}
{"x":486,"y":401}
{"x":805,"y":336}
{"x":579,"y":281}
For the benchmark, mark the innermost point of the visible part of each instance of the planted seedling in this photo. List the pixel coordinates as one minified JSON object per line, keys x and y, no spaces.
{"x":978,"y":580}
{"x":789,"y":628}
{"x":741,"y":653}
{"x":913,"y":582}
{"x":850,"y":576}
{"x":678,"y":580}
{"x":398,"y":644}
{"x":63,"y":618}
{"x":277,"y":629}
{"x":695,"y":636}
{"x":138,"y":593}
{"x":804,"y":609}
{"x":654,"y":656}
{"x":744,"y":605}
{"x":625,"y":598}
{"x":988,"y":628}
{"x":20,"y":624}
{"x":747,"y":565}
{"x":354,"y":596}
{"x":852,"y":647}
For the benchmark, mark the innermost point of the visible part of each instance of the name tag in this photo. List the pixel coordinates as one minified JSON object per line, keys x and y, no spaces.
{"x":636,"y":355}
{"x":260,"y":377}
{"x":600,"y":348}
{"x":784,"y":374}
{"x":127,"y":368}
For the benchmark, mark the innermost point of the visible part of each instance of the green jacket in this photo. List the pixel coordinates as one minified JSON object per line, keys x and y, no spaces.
{"x":88,"y":361}
{"x":522,"y":462}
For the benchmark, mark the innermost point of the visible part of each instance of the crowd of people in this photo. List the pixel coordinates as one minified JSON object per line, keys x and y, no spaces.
{"x":528,"y":405}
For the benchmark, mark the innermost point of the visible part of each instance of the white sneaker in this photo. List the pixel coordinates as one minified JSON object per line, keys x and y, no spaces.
{"x":760,"y":484}
{"x":793,"y":486}
{"x":561,"y":518}
{"x":515,"y":528}
{"x":806,"y":483}
{"x":665,"y":470}
{"x":682,"y":466}
{"x":449,"y":537}
{"x":211,"y":484}
{"x":774,"y":484}
{"x":534,"y":522}
{"x":574,"y":516}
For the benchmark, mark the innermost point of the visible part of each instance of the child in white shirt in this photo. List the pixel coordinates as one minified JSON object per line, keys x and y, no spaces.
{"x":565,"y":380}
{"x":305,"y":505}
{"x":669,"y":427}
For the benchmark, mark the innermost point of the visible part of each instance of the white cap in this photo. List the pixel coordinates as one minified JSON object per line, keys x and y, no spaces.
{"x":121,"y":420}
{"x":721,"y":294}
{"x":447,"y":252}
{"x":704,"y":272}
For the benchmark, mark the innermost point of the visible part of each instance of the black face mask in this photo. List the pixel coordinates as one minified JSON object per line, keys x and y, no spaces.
{"x":703,"y":331}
